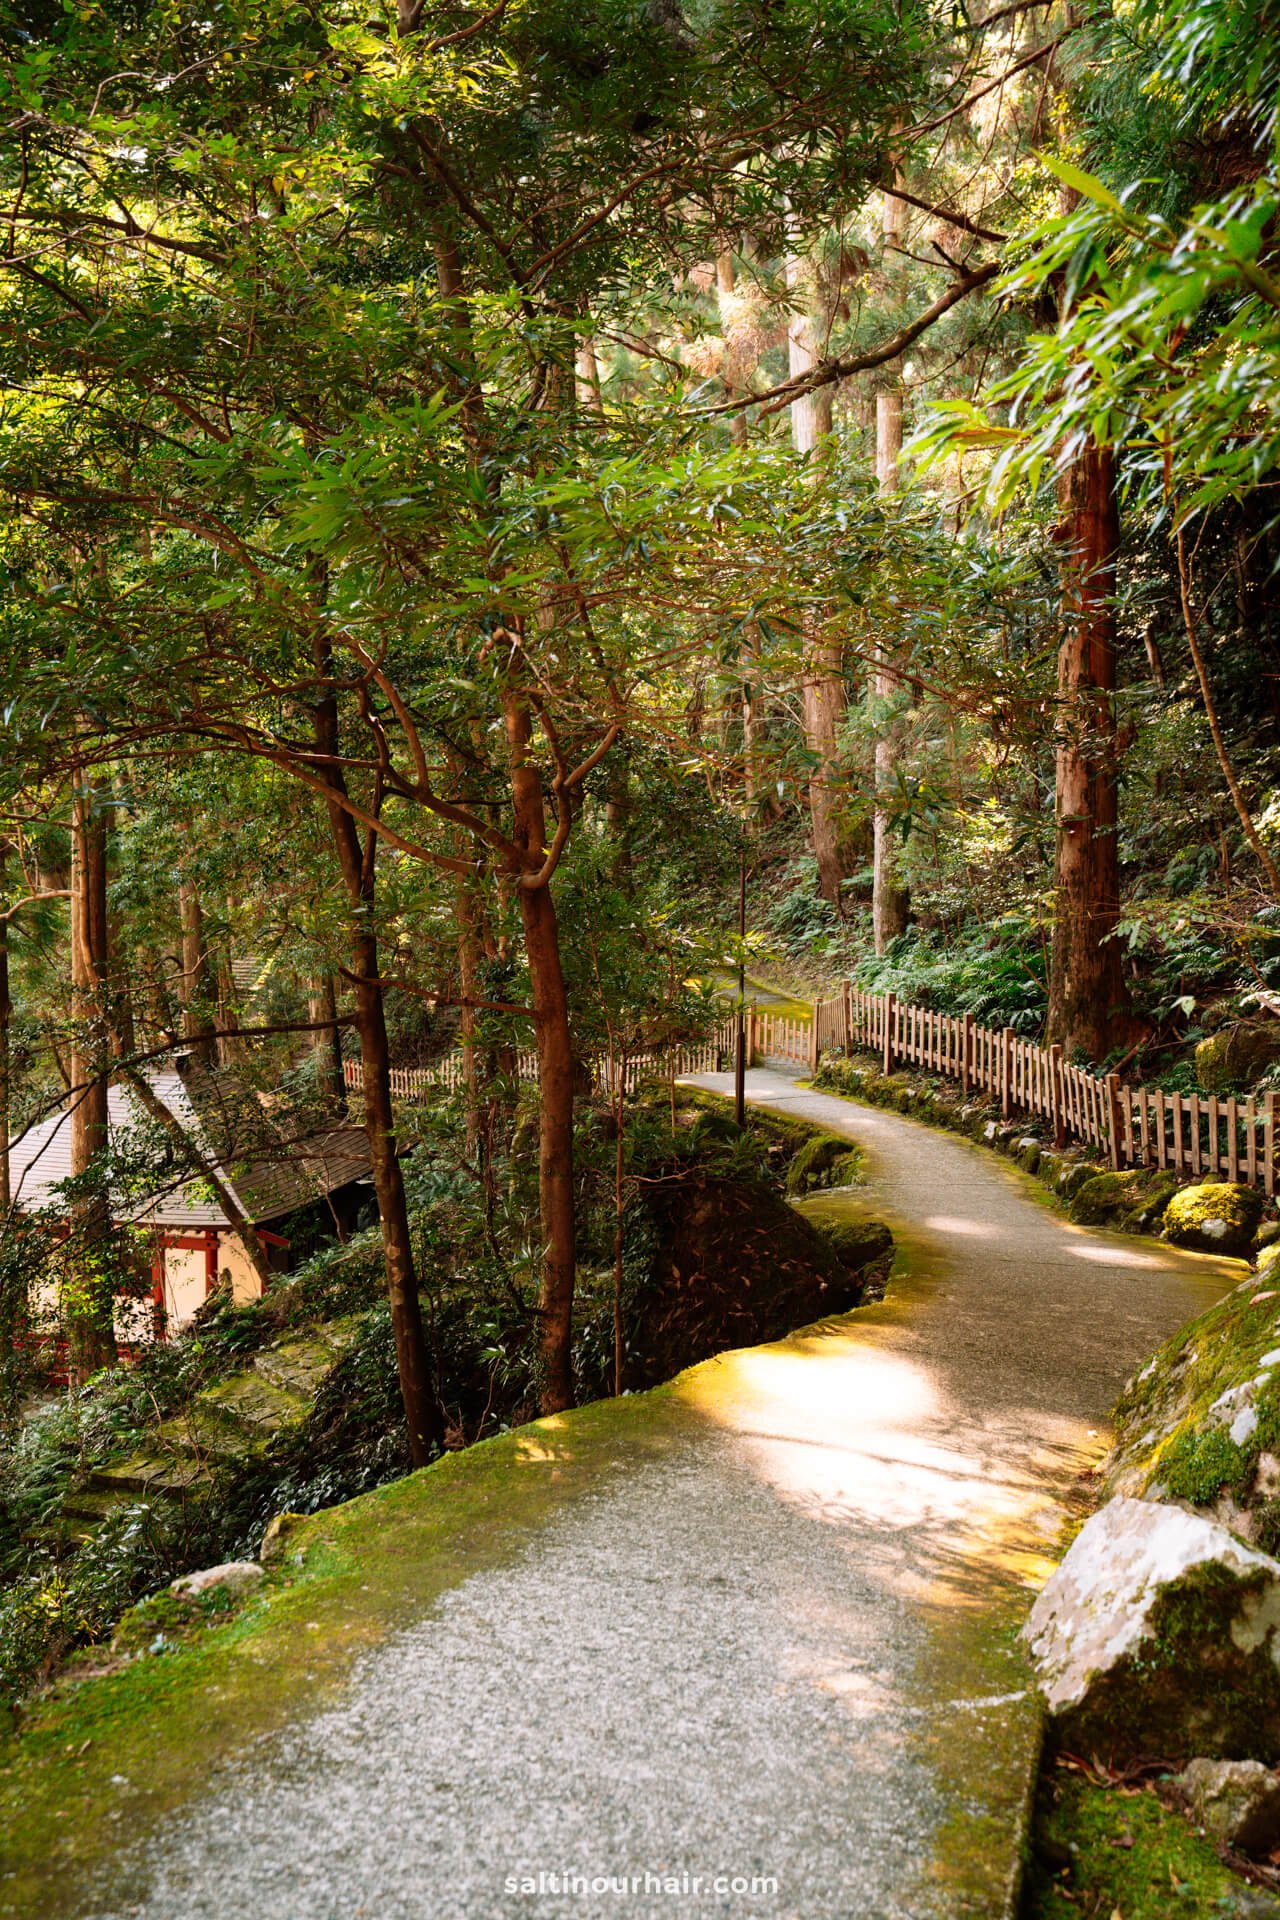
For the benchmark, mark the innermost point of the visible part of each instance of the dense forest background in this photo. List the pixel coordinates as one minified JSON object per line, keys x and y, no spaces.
{"x":477,"y":481}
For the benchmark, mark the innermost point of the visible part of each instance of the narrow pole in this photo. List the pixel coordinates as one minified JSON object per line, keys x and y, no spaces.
{"x":740,"y":1055}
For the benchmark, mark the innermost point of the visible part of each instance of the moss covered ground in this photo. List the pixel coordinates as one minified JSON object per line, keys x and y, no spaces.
{"x":1107,"y":1851}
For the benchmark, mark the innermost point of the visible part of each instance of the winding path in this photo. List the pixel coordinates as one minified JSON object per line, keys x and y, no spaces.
{"x":772,"y":1640}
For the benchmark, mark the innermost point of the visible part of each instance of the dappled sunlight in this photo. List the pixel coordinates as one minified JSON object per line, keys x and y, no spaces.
{"x":971,"y":1229}
{"x":864,"y":1438}
{"x":1104,"y":1256}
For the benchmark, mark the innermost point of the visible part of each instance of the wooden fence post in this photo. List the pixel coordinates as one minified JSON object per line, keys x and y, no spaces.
{"x":1269,"y":1143}
{"x":814,"y":1048}
{"x":751,"y":1037}
{"x":1006,"y":1035}
{"x":1055,"y":1095}
{"x":890,"y":1002}
{"x":966,"y":1055}
{"x":846,"y":1008}
{"x":1113,"y":1118}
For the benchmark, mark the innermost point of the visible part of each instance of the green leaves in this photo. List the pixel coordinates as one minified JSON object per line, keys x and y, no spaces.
{"x":1085,"y":184}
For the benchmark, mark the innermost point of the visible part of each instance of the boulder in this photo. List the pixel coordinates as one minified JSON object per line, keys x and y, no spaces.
{"x":1148,"y":1215}
{"x":824,"y":1160}
{"x":1074,"y":1174}
{"x":711,"y":1264}
{"x":1235,"y":1801}
{"x":1160,"y":1633}
{"x":1267,"y":1235}
{"x":1134,"y":1202}
{"x":1214,"y":1217}
{"x":858,"y":1242}
{"x":1238,"y":1056}
{"x":1104,"y":1198}
{"x":234,"y":1576}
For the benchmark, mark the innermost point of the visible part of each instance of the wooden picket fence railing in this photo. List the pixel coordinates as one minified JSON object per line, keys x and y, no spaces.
{"x":1133,"y":1126}
{"x":1192,"y":1134}
{"x":772,"y":1037}
{"x":707,"y":1055}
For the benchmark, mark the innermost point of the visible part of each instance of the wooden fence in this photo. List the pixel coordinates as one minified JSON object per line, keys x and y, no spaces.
{"x":1132,"y":1126}
{"x":1192,"y":1134}
{"x":711,"y":1054}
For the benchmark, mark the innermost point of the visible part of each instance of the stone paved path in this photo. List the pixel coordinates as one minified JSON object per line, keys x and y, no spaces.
{"x":777,"y":1651}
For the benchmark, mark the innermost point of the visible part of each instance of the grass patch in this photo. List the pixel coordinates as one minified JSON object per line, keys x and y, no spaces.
{"x":1100,"y":1850}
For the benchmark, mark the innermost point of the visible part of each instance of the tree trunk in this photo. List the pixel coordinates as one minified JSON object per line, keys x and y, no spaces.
{"x":890,"y":903}
{"x":469,"y":958}
{"x":555,"y":1079}
{"x":88,"y":1290}
{"x":1088,"y":999}
{"x":193,"y":978}
{"x":424,"y":1415}
{"x":423,"y":1412}
{"x":823,"y":690}
{"x":326,"y":1043}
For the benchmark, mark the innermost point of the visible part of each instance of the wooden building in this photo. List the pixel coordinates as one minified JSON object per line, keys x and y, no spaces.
{"x":283,"y":1174}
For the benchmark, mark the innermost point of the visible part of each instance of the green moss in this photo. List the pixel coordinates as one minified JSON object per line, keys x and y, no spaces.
{"x":167,"y":1617}
{"x":1101,"y":1197}
{"x":823,"y":1161}
{"x":1076,"y":1175}
{"x":1198,"y":1465}
{"x":857,"y":1242}
{"x":1168,"y":1432}
{"x":1214,"y":1217}
{"x":1099,"y":1850}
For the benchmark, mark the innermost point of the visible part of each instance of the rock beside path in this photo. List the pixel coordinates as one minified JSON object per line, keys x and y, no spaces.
{"x":1235,"y":1801}
{"x":234,"y":1576}
{"x":1214,"y":1217}
{"x":1160,"y":1634}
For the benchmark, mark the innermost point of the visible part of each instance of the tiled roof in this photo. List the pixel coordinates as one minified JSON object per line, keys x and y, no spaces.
{"x":272,"y":1166}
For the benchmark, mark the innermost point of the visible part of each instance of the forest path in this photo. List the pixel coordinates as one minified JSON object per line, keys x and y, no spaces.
{"x":771,"y":1634}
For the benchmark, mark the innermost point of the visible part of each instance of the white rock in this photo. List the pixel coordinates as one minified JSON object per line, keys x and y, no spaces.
{"x":1132,"y":1672}
{"x":237,"y":1576}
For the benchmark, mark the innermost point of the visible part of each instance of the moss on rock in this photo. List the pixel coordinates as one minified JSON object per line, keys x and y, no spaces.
{"x":1074,"y":1174}
{"x":1200,"y":1422}
{"x":1158,"y":1633}
{"x":859,"y":1243}
{"x":824,"y":1160}
{"x":1131,"y":1201}
{"x":1214,"y":1217}
{"x":1238,"y":1055}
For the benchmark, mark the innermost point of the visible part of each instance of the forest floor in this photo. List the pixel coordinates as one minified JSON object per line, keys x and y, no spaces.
{"x":760,"y":1623}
